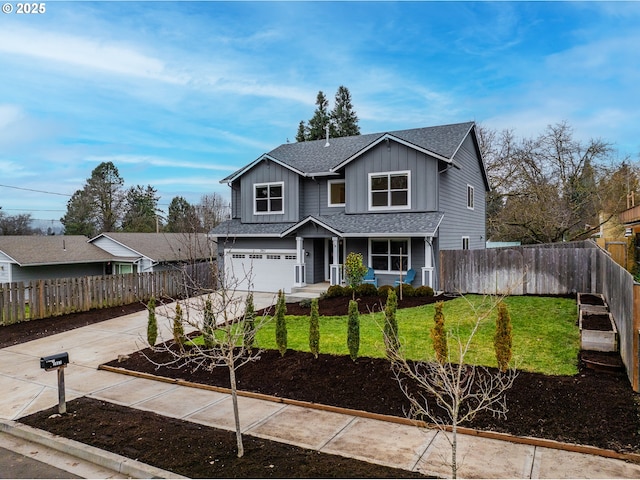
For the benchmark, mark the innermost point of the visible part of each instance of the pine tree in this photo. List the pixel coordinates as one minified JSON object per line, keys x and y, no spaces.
{"x":301,"y":135}
{"x":502,"y":340}
{"x":249,"y":323}
{"x":281,"y":325}
{"x":343,"y":116}
{"x":314,"y":329}
{"x":152,"y":323}
{"x":391,"y":341}
{"x":353,"y":330}
{"x":321,"y":118}
{"x":439,"y":335}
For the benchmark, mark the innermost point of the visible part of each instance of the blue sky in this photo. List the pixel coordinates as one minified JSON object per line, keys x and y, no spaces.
{"x":179,"y":94}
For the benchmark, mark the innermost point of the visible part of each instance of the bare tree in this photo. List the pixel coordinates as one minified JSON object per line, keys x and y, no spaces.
{"x":212,"y":210}
{"x":447,"y":393}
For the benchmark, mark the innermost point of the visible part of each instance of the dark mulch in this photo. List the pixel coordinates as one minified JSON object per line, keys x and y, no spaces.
{"x":593,"y":408}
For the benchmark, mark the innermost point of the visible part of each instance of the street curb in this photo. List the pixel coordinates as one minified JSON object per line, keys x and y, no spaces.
{"x":112,"y":461}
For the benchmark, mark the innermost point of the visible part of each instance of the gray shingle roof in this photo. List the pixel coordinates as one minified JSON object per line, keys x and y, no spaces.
{"x":346,"y":225}
{"x":51,"y":250}
{"x":314,"y":158}
{"x":164,"y":247}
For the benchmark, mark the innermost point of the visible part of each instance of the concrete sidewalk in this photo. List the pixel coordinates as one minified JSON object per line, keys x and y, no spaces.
{"x":26,"y":389}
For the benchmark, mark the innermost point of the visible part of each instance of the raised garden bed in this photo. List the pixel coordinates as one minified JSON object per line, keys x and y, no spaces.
{"x":598,"y":332}
{"x":592,"y":302}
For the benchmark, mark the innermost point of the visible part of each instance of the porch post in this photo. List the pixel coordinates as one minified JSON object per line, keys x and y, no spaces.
{"x":427,"y":270}
{"x":335,"y":274}
{"x":299,"y":269}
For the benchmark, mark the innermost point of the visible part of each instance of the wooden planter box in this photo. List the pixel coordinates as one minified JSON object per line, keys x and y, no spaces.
{"x":598,"y":332}
{"x":592,"y":303}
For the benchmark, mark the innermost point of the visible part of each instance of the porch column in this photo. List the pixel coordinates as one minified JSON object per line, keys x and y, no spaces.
{"x":335,"y":274}
{"x":427,"y":270}
{"x":299,"y":269}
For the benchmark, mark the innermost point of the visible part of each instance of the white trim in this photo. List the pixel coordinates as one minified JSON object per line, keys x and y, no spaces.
{"x":334,"y":182}
{"x":389,"y":207}
{"x":470,"y":197}
{"x":389,"y":239}
{"x":268,"y":199}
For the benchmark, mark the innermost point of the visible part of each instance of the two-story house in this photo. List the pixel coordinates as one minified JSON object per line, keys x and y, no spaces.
{"x":398,"y":198}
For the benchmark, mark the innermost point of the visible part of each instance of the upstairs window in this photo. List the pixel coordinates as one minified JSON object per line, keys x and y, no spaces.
{"x":389,"y":190}
{"x":268,"y":198}
{"x":337,"y":191}
{"x":470,"y":197}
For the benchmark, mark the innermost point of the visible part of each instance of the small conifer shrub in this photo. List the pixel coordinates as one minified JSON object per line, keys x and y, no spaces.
{"x":314,"y":329}
{"x":353,"y":330}
{"x":178,"y":328}
{"x":391,"y":341}
{"x":502,"y":339}
{"x":439,"y":335}
{"x":249,"y":336}
{"x":152,"y":324}
{"x":281,"y":324}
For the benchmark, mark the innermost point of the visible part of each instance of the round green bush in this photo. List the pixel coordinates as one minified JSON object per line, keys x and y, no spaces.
{"x":366,"y":290}
{"x":335,"y":291}
{"x":407,"y":290}
{"x":424,"y":291}
{"x":383,"y":290}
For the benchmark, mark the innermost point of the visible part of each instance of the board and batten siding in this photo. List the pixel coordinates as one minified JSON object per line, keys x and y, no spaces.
{"x":391,"y":158}
{"x":459,"y":221}
{"x":269,"y":172}
{"x":314,"y":197}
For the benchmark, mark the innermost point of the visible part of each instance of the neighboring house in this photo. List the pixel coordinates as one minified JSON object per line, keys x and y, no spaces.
{"x":398,"y":198}
{"x":28,"y":257}
{"x":153,"y":252}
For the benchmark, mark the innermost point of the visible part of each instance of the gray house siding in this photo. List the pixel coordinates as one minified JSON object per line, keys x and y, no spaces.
{"x":236,"y":200}
{"x":459,"y":221}
{"x":114,"y":248}
{"x":45,"y":272}
{"x":314,"y":197}
{"x":391,"y":158}
{"x":269,"y":172}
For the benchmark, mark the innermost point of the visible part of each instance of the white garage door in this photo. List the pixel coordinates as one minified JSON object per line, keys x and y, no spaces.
{"x":261,"y":270}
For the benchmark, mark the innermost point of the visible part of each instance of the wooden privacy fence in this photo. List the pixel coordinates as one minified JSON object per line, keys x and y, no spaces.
{"x":37,"y":299}
{"x":555,"y":269}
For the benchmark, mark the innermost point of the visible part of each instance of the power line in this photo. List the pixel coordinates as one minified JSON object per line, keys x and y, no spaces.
{"x":37,"y":191}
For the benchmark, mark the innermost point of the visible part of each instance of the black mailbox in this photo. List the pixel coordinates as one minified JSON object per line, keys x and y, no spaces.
{"x":54,"y":361}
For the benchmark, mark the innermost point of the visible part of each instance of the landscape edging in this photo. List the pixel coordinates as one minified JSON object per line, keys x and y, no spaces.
{"x":533,"y":441}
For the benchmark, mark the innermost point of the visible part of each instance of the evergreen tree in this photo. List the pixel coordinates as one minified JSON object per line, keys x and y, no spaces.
{"x":314,"y":329}
{"x":178,"y":328}
{"x":249,"y":323}
{"x":343,"y":116}
{"x":301,"y":135}
{"x":321,"y":118}
{"x":502,"y":339}
{"x":79,"y":219}
{"x":182,"y":217}
{"x":439,"y":335}
{"x":391,"y":341}
{"x":209,"y":323}
{"x":152,"y":323}
{"x":141,"y":205}
{"x":281,"y":324}
{"x":353,"y":330}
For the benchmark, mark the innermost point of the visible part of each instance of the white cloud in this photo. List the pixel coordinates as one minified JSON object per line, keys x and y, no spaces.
{"x":156,"y":162}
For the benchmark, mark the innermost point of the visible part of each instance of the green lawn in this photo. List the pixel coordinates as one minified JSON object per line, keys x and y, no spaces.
{"x":545,"y":336}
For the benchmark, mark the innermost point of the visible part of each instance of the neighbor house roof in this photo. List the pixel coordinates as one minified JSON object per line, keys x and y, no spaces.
{"x":314,"y":158}
{"x":31,"y":250}
{"x":162,"y":247}
{"x":343,"y":225}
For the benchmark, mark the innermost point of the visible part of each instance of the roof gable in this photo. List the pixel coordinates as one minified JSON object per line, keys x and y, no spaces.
{"x":161,"y":247}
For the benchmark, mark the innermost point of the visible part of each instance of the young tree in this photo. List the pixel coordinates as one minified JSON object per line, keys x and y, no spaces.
{"x":152,"y":322}
{"x":353,"y":330}
{"x":281,"y":324}
{"x":314,"y":329}
{"x":390,"y":331}
{"x":354,"y":271}
{"x":439,"y":334}
{"x":502,"y":339}
{"x":448,"y":394}
{"x":141,"y":206}
{"x":343,"y":116}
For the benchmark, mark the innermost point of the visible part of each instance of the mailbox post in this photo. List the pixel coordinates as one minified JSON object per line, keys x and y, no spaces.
{"x":57,"y":362}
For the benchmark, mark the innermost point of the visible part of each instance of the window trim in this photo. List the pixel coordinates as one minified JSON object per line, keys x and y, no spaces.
{"x":388,"y":240}
{"x":389,"y":174}
{"x":268,"y":212}
{"x":470,"y":197}
{"x":330,"y":183}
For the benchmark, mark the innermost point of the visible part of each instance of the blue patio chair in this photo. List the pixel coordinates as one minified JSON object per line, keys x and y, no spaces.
{"x":370,"y":277}
{"x":407,"y":278}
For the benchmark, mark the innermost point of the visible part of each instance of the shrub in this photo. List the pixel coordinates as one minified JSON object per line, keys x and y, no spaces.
{"x":439,"y":335}
{"x":209,"y":323}
{"x":383,"y":291}
{"x":178,"y":328}
{"x":249,"y":335}
{"x":152,"y":324}
{"x":407,"y":290}
{"x":366,"y":290}
{"x":314,"y":329}
{"x":391,"y":341}
{"x":502,"y":339}
{"x":305,"y":303}
{"x":353,"y":330}
{"x":354,"y":270}
{"x":424,"y":291}
{"x":335,"y":291}
{"x":281,"y":324}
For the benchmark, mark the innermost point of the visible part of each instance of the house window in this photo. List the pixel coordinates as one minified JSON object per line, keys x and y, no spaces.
{"x":470,"y":197}
{"x":389,"y":190}
{"x":337,"y":191}
{"x":389,"y":254}
{"x":268,"y":198}
{"x":465,"y":243}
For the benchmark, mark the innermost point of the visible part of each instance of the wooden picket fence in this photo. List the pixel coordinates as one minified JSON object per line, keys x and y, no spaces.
{"x":20,"y":301}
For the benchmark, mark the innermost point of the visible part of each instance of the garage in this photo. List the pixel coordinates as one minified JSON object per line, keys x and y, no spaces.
{"x":265,"y":270}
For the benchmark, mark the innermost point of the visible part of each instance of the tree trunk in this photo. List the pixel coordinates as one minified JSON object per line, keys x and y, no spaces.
{"x":236,"y":413}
